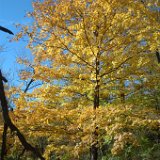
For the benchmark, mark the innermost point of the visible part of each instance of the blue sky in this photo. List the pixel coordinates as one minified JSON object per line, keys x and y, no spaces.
{"x":12,"y":12}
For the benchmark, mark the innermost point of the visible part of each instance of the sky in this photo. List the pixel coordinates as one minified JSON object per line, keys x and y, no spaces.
{"x":12,"y":12}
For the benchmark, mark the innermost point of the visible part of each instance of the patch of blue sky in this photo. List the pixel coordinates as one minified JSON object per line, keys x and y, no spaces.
{"x":11,"y":13}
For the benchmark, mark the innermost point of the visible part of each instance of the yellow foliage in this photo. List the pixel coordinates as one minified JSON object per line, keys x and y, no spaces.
{"x":87,"y":51}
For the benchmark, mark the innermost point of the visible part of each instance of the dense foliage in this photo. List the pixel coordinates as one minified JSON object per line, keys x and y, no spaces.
{"x":99,"y":92}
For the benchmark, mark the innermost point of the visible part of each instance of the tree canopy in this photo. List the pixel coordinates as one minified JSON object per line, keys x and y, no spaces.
{"x":97,"y":66}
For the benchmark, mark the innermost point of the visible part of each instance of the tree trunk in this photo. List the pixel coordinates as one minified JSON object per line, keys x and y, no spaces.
{"x":4,"y":140}
{"x":94,"y":152}
{"x":94,"y":147}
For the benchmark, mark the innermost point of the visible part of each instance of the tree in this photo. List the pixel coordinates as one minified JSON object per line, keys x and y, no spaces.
{"x":85,"y":51}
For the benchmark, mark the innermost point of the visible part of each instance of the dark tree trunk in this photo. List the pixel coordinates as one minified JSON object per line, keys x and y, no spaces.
{"x":4,"y":140}
{"x":94,"y":147}
{"x":94,"y":152}
{"x":158,"y":56}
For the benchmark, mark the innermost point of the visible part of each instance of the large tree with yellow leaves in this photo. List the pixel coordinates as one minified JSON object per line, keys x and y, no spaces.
{"x":97,"y":62}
